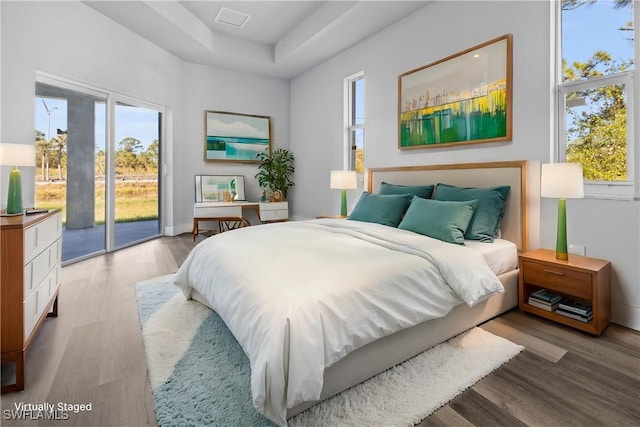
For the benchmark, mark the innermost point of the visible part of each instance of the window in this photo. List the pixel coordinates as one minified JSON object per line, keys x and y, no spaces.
{"x":354,"y":153}
{"x":595,"y":111}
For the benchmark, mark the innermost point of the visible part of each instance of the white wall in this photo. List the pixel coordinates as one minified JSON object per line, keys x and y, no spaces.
{"x":422,"y":38}
{"x":609,"y":229}
{"x":73,"y":41}
{"x":70,"y":40}
{"x":206,"y":88}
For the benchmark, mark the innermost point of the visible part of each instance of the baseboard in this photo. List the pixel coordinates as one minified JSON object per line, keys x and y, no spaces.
{"x":626,"y":315}
{"x":178,"y":229}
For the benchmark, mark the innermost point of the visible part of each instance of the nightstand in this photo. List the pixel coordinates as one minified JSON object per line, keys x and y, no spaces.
{"x":579,"y":278}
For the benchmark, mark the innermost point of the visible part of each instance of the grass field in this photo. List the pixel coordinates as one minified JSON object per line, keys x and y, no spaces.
{"x":135,"y":200}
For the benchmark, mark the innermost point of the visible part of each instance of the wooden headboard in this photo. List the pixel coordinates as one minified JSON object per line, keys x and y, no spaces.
{"x":515,"y":226}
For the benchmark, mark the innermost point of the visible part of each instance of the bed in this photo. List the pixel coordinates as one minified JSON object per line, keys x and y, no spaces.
{"x":300,"y":353}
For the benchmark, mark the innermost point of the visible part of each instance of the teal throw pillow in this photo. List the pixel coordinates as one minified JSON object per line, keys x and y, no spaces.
{"x":423,"y":191}
{"x":486,"y":221}
{"x":382,"y":209}
{"x":442,"y":220}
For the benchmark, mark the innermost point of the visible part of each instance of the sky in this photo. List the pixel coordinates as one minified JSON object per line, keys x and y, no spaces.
{"x":135,"y":122}
{"x":590,"y":28}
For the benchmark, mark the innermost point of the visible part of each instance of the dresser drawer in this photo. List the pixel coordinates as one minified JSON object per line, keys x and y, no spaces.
{"x":36,"y":304}
{"x":30,"y":310}
{"x":54,"y":281}
{"x":36,"y":270}
{"x":274,"y":211}
{"x":41,"y":235}
{"x":222,"y":211}
{"x":559,"y":279}
{"x":46,"y":290}
{"x":274,"y":215}
{"x":274,"y":206}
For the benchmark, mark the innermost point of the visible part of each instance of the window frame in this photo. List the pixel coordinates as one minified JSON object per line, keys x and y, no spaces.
{"x":625,"y":190}
{"x":351,"y":127}
{"x":609,"y":189}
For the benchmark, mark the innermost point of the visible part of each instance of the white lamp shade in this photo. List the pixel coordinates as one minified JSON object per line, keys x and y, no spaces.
{"x":17,"y":154}
{"x":343,"y":180}
{"x":562,"y":181}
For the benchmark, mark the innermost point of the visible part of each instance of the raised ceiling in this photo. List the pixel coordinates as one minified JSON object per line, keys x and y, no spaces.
{"x":280,"y":38}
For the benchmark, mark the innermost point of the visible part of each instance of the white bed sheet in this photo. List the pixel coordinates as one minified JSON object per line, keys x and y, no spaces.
{"x":501,"y":255}
{"x":295,"y":312}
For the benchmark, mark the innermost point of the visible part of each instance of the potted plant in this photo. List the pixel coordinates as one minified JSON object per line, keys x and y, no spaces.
{"x":275,"y":173}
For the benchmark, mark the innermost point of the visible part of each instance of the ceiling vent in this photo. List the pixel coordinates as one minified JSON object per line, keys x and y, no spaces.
{"x":231,"y":17}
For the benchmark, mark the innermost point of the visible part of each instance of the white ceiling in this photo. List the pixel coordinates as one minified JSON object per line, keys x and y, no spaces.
{"x":280,"y":39}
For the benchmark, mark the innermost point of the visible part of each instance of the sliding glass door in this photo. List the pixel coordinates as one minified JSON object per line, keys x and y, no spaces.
{"x":69,"y":131}
{"x":98,"y":158}
{"x":137,"y":205}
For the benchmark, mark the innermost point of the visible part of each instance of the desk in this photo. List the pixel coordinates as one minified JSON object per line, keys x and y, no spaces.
{"x":229,"y":215}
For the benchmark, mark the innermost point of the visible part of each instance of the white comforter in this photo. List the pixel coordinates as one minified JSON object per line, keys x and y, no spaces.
{"x":299,"y":296}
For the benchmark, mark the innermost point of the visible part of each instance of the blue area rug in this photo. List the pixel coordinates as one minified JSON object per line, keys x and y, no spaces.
{"x":210,"y":384}
{"x":200,"y":376}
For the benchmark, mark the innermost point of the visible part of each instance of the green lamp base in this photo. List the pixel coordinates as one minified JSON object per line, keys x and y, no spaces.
{"x":14,"y":198}
{"x":343,"y":204}
{"x":561,"y":238}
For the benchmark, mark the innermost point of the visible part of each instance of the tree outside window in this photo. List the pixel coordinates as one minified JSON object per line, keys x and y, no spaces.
{"x":596,"y":88}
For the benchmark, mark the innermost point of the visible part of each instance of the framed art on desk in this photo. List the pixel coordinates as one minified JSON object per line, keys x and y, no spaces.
{"x":219,"y":188}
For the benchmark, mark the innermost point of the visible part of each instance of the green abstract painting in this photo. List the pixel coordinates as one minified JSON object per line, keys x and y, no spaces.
{"x":462,"y":99}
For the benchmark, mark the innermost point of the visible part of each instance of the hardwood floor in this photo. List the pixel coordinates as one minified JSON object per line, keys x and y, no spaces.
{"x":93,"y":353}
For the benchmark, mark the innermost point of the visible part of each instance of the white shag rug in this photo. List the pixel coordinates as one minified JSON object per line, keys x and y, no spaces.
{"x":180,"y":352}
{"x":410,"y":392}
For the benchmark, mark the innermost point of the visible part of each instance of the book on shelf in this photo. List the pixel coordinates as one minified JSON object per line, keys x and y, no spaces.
{"x":543,"y":305}
{"x":574,"y":306}
{"x":585,"y":319}
{"x":532,"y":298}
{"x":545,"y":295}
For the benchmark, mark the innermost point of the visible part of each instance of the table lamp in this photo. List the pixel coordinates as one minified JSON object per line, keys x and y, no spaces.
{"x":343,"y":180}
{"x":16,"y":155}
{"x":562,"y":181}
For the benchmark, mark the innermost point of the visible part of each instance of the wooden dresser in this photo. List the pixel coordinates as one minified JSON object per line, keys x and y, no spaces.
{"x":30,"y":252}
